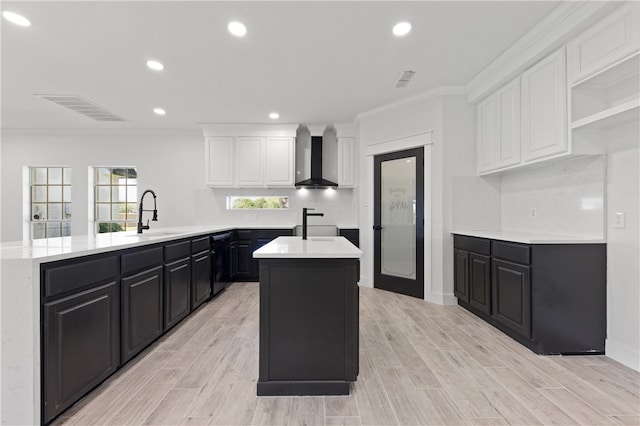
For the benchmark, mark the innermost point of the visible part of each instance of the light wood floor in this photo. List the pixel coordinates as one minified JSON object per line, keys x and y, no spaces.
{"x":420,"y":364}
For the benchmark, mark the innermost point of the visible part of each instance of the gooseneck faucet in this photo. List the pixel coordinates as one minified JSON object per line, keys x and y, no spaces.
{"x":304,"y":220}
{"x":141,"y":209}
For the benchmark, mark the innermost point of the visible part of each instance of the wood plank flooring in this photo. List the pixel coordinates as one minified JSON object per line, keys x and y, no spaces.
{"x":420,"y":364}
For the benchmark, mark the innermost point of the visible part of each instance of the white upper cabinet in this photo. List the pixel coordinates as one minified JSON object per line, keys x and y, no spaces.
{"x":249,"y":161}
{"x":610,"y":40}
{"x":544,"y":108}
{"x":219,"y":160}
{"x":251,"y":156}
{"x":347,"y":155}
{"x":499,"y":129}
{"x":346,"y":159}
{"x":279,"y":161}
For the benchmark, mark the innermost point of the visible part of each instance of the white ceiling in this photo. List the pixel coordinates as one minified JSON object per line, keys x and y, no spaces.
{"x":313,"y":62}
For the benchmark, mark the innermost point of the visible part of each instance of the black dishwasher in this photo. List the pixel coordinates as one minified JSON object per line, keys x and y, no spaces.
{"x":220,"y":262}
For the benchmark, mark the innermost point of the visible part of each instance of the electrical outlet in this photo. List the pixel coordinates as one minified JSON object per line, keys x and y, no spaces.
{"x":618,"y":220}
{"x":533,"y":213}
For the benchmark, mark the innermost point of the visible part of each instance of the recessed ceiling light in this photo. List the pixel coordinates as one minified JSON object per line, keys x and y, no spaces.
{"x":155,"y":65}
{"x":237,"y":28}
{"x":16,"y":19}
{"x":274,"y":116}
{"x":159,"y":111}
{"x":401,"y":29}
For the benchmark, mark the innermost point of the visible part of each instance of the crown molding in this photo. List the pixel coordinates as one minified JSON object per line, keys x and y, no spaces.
{"x":412,"y":100}
{"x":257,"y":129}
{"x":40,"y":132}
{"x":564,"y":22}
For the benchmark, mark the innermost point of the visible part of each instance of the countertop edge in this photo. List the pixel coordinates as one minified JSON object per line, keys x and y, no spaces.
{"x":529,"y":238}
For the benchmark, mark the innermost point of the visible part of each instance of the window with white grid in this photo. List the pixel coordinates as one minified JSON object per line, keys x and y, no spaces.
{"x":116,"y":198}
{"x":50,"y":202}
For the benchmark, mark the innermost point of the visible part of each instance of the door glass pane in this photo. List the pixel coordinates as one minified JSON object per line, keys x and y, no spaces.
{"x":398,"y":216}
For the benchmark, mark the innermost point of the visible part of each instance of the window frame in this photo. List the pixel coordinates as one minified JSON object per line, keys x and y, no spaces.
{"x":65,"y":203}
{"x":129,"y":222}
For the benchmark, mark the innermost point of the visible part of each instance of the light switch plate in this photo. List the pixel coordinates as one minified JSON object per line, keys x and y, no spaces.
{"x":618,"y":220}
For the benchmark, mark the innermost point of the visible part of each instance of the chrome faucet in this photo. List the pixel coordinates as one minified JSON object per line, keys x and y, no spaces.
{"x":304,"y":220}
{"x":141,"y":209}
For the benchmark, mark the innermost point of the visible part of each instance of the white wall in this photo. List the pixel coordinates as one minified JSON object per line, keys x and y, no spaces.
{"x":337,"y":205}
{"x":169,"y":162}
{"x":568,"y":198}
{"x":623,"y":246}
{"x":451,"y":121}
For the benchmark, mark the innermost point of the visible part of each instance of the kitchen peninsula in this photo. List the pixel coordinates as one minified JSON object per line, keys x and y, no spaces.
{"x":76,"y":309}
{"x":308,"y":316}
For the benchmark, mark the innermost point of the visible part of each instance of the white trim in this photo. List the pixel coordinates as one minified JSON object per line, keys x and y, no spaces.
{"x":412,"y":100}
{"x":554,"y":30}
{"x":421,"y":140}
{"x":399,"y":144}
{"x":622,"y":353}
{"x":263,"y":130}
{"x":101,"y":132}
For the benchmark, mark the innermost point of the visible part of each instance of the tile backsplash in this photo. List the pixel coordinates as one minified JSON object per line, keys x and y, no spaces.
{"x":565,"y":198}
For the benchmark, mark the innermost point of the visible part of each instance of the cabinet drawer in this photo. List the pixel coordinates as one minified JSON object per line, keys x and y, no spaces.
{"x":177,"y":250}
{"x":519,"y":253}
{"x":78,"y":274}
{"x":200,"y":244}
{"x":473,"y":244}
{"x":141,"y":259}
{"x":244,"y":234}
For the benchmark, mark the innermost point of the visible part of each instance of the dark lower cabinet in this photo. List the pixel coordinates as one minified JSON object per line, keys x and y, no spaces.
{"x":177,"y":291}
{"x":244,"y":265}
{"x":141,"y":311}
{"x":511,"y":289}
{"x":480,"y":282}
{"x":549,"y":297}
{"x":81,"y":343}
{"x":461,"y":274}
{"x":200,"y":278}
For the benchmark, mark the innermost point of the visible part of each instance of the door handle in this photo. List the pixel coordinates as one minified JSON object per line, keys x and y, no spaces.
{"x":377,"y":227}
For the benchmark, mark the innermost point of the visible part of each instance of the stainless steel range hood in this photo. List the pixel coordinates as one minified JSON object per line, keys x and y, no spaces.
{"x":316,"y":181}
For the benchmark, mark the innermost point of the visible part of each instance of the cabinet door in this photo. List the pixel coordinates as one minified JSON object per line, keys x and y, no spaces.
{"x":480,"y":282}
{"x":509,"y":139}
{"x":200,"y":278}
{"x":219,"y":161}
{"x":511,"y":290}
{"x":177,"y":291}
{"x":487,"y":134}
{"x":141,"y":311}
{"x":249,"y":161}
{"x":461,"y":274}
{"x":605,"y":43}
{"x":544,"y":108}
{"x":346,"y":162}
{"x":279,"y":162}
{"x":81,"y":345}
{"x":233,"y":259}
{"x":244,"y":263}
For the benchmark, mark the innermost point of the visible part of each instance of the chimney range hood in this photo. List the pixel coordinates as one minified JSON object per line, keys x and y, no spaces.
{"x":316,"y":181}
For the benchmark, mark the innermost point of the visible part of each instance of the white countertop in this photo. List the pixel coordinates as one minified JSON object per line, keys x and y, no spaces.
{"x":531,"y":238}
{"x":311,"y":248}
{"x":50,"y":249}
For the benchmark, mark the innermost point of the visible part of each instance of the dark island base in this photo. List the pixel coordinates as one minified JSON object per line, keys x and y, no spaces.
{"x":306,"y":388}
{"x":308,"y":326}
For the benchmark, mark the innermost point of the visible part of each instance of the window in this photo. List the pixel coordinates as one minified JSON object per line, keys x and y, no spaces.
{"x":237,"y":203}
{"x":50,"y":202}
{"x":116,"y":197}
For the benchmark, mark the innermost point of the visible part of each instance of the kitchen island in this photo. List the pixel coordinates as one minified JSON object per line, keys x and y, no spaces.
{"x":308,"y":316}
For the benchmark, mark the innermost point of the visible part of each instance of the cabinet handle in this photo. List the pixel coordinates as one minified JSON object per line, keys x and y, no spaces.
{"x":377,"y":227}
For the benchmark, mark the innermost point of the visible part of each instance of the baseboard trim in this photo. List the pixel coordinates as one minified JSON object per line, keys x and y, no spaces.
{"x":622,"y":353}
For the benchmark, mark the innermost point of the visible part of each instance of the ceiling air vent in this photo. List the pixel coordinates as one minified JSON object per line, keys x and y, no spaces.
{"x":82,"y":106}
{"x":403,"y":78}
